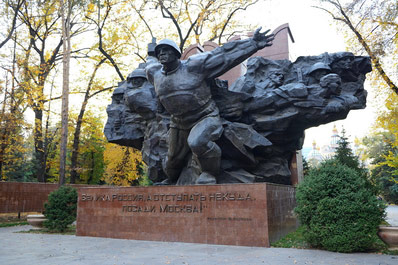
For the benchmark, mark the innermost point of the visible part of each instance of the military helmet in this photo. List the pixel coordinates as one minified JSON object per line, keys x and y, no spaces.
{"x":319,"y":66}
{"x":137,"y":73}
{"x":170,"y":43}
{"x":119,"y":90}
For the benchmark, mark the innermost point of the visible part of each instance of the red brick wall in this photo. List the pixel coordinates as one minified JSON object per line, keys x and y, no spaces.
{"x":281,"y":201}
{"x":25,"y":197}
{"x":235,"y":214}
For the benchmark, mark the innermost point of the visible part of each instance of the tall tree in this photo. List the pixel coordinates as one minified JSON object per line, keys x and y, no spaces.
{"x":41,"y":21}
{"x":65,"y":85}
{"x":112,"y":46}
{"x":93,"y":88}
{"x":344,"y":153}
{"x":42,"y":52}
{"x":12,"y":123}
{"x":378,"y":147}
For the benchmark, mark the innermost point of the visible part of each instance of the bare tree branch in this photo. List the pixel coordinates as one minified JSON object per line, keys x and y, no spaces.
{"x":100,"y":45}
{"x":230,"y":17}
{"x":173,"y":19}
{"x":14,"y":22}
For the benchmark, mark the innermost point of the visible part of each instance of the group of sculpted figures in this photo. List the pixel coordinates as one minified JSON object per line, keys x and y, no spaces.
{"x":193,"y":129}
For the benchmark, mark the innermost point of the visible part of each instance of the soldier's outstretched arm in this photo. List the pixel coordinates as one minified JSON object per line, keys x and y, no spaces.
{"x":224,"y":58}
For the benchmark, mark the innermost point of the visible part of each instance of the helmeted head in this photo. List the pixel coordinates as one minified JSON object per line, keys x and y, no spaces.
{"x":117,"y":95}
{"x":137,"y":77}
{"x":343,"y":60}
{"x":167,"y":43}
{"x":319,"y":66}
{"x":137,"y":73}
{"x":318,"y":70}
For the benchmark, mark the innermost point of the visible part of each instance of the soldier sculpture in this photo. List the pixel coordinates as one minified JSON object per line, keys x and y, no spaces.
{"x":195,"y":129}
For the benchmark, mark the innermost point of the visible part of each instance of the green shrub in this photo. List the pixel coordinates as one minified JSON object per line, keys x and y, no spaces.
{"x":61,"y":208}
{"x":337,"y":209}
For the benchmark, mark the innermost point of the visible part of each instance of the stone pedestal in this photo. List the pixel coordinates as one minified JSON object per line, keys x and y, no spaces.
{"x":233,"y":214}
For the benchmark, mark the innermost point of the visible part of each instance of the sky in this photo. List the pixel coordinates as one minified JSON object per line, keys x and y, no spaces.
{"x":314,"y":32}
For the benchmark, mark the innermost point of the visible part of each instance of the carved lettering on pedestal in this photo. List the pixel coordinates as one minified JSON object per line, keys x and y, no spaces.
{"x":167,"y":203}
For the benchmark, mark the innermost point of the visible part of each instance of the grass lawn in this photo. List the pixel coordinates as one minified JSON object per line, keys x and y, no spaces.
{"x":292,"y":240}
{"x":8,"y":224}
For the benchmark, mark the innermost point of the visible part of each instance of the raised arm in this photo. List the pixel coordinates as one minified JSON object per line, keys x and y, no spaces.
{"x":222,"y":59}
{"x":262,"y":39}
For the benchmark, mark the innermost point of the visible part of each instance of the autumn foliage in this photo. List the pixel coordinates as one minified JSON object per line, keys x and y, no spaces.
{"x":125,"y":170}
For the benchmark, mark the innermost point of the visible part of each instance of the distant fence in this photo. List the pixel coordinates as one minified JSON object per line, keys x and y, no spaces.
{"x":17,"y":197}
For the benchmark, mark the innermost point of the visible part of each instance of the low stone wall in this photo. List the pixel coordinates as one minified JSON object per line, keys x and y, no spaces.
{"x":233,"y":214}
{"x":25,"y":196}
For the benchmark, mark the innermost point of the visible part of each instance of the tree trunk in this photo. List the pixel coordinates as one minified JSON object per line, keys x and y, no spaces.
{"x":76,"y":137}
{"x":65,"y":91}
{"x":3,"y":124}
{"x":91,"y":176}
{"x":75,"y":149}
{"x":38,"y":140}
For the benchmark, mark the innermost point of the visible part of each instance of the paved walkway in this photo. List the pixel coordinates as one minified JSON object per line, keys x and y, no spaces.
{"x":24,"y":248}
{"x":43,"y":249}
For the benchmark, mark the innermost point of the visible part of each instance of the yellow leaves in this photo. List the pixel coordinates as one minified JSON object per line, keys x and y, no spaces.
{"x":47,"y":56}
{"x":13,"y":148}
{"x":133,"y":27}
{"x":114,"y":37}
{"x":90,"y":8}
{"x":122,"y":165}
{"x":387,"y":121}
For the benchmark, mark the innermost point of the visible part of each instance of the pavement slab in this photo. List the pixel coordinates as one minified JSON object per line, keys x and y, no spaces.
{"x":43,"y":249}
